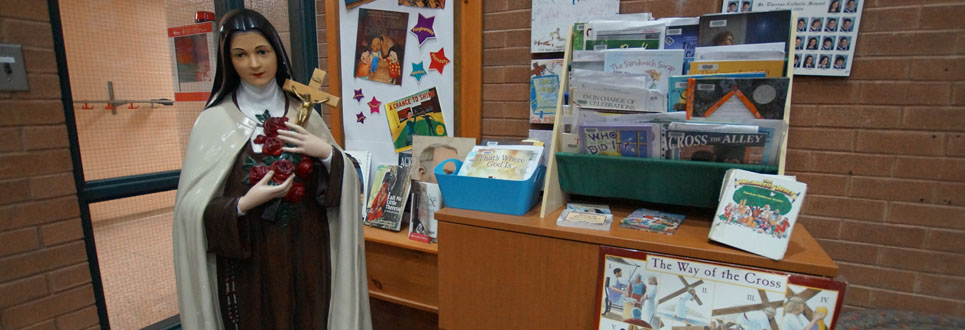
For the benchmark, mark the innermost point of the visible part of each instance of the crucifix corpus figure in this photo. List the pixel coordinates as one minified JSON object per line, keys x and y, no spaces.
{"x":309,"y":95}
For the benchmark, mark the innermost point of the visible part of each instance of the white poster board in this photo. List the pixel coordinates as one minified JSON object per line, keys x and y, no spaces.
{"x":552,"y":20}
{"x":834,"y":21}
{"x":372,"y":134}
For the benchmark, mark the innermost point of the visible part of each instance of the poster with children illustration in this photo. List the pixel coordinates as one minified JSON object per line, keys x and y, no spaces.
{"x":821,"y":21}
{"x":416,"y":114}
{"x":380,"y":45}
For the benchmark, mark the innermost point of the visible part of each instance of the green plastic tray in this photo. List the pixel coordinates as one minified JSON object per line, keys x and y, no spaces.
{"x":662,"y":181}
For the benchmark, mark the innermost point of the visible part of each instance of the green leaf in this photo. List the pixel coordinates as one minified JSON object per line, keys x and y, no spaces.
{"x":246,"y":181}
{"x":248,"y":164}
{"x":269,"y":160}
{"x":264,"y":116}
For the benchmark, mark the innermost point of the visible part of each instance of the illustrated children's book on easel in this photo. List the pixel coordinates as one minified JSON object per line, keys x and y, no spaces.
{"x":416,"y":114}
{"x":736,"y":100}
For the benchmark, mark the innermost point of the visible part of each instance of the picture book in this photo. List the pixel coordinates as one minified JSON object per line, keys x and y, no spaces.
{"x":773,"y":128}
{"x":416,"y":114}
{"x":659,"y":64}
{"x":544,"y":89}
{"x":349,"y":4}
{"x":641,"y":140}
{"x":771,"y":68}
{"x":736,"y":99}
{"x":552,"y":19}
{"x":586,"y":216}
{"x":426,"y":200}
{"x":745,"y":28}
{"x":429,"y":151}
{"x":405,"y":159}
{"x":757,"y":212}
{"x":682,"y":34}
{"x":380,"y":45}
{"x":389,"y":192}
{"x":653,"y":221}
{"x":738,"y":148}
{"x":364,"y":159}
{"x":423,"y":3}
{"x":505,"y":162}
{"x":677,"y":92}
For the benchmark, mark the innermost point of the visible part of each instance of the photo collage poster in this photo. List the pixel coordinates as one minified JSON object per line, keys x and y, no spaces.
{"x":640,"y":290}
{"x":398,"y":49}
{"x":827,"y":32}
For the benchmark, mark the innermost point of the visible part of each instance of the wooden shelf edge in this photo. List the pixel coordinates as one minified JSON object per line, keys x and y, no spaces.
{"x":404,"y":302}
{"x":398,"y":239}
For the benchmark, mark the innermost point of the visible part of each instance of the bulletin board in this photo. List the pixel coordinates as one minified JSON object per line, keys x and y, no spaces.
{"x":370,"y":113}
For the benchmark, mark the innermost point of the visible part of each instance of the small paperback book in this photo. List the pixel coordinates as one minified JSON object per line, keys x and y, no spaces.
{"x":586,"y":216}
{"x":426,"y":200}
{"x":641,"y":140}
{"x":757,"y":212}
{"x":389,"y":192}
{"x":504,"y":162}
{"x":653,"y":221}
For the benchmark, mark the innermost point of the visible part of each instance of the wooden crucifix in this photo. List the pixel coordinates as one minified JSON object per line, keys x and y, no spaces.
{"x":309,"y":95}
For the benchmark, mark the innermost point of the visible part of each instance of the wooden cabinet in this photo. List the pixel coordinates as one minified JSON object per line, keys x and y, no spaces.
{"x":402,"y":279}
{"x":524,"y":272}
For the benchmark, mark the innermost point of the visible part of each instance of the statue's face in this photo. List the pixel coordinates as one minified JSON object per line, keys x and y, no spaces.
{"x":253,"y":58}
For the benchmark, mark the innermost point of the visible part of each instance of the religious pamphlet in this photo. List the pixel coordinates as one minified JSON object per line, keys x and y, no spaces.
{"x":426,"y":200}
{"x":505,"y":162}
{"x":586,"y":216}
{"x":757,"y":212}
{"x":416,"y":114}
{"x":381,"y":45}
{"x":389,"y":192}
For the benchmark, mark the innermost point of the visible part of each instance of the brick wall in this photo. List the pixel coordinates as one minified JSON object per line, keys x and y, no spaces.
{"x":883,"y":152}
{"x":44,"y":275}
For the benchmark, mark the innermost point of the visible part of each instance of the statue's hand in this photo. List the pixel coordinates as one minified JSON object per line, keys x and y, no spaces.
{"x":304,"y":142}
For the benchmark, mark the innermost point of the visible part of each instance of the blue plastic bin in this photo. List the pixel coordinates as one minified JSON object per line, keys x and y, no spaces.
{"x":488,"y":195}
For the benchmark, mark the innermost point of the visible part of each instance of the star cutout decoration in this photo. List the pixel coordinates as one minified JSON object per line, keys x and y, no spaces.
{"x":374,"y":105}
{"x":439,"y":60}
{"x":360,"y":117}
{"x":418,"y":70}
{"x":423,"y":28}
{"x":358,"y":95}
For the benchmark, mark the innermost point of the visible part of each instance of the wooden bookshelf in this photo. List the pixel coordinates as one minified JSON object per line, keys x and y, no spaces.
{"x":400,"y":270}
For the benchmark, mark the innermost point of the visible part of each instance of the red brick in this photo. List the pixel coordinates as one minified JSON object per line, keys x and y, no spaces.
{"x":516,"y":110}
{"x":507,"y":20}
{"x":17,"y":113}
{"x":69,"y":277}
{"x":39,"y":212}
{"x":27,"y":33}
{"x":932,"y":118}
{"x":55,"y":185}
{"x":850,"y":116}
{"x":938,"y":69}
{"x":48,"y":308}
{"x":850,"y":251}
{"x":20,"y":165}
{"x":25,"y":9}
{"x":518,"y":74}
{"x":506,"y":56}
{"x":941,"y":17}
{"x":493,"y":110}
{"x":879,"y":69}
{"x":40,"y":61}
{"x":493,"y":74}
{"x":959,"y":94}
{"x":519,"y":38}
{"x":878,"y":20}
{"x":907,"y":93}
{"x":809,"y":91}
{"x":11,"y":139}
{"x":825,"y":184}
{"x":912,"y":302}
{"x":821,"y":227}
{"x":943,"y":286}
{"x":519,"y":4}
{"x":493,"y":6}
{"x":951,"y":169}
{"x":820,"y":139}
{"x":18,"y":241}
{"x":505,"y":127}
{"x":683,"y":8}
{"x":41,"y":260}
{"x":80,"y":319}
{"x":904,"y":143}
{"x":893,"y":189}
{"x":951,"y":194}
{"x":506,"y":92}
{"x":955,"y":146}
{"x":798,"y":160}
{"x":923,"y":261}
{"x":913,"y":43}
{"x":61,"y":232}
{"x":848,"y":163}
{"x":802,"y":115}
{"x":18,"y":292}
{"x":884,"y":234}
{"x":42,"y":86}
{"x":12,"y":191}
{"x":939,"y":216}
{"x":945,"y":240}
{"x":878,"y":277}
{"x":857,"y":296}
{"x":45,"y":137}
{"x":494,"y":40}
{"x":851,"y":208}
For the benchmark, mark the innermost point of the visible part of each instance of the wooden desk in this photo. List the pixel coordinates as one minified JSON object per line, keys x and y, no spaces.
{"x":499,"y":271}
{"x":403,"y":277}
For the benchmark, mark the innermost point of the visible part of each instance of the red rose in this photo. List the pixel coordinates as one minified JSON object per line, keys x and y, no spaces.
{"x":304,"y":169}
{"x":296,"y":193}
{"x":272,"y":146}
{"x":273,"y":124}
{"x":256,"y":173}
{"x":260,"y":139}
{"x":283,"y":168}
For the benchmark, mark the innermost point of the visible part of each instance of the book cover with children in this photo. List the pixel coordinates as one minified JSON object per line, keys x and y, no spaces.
{"x":380,"y":45}
{"x":416,"y":114}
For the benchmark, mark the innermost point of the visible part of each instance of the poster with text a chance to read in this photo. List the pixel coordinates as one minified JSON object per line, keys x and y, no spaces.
{"x":827,"y":32}
{"x":373,"y":134}
{"x":552,"y":20}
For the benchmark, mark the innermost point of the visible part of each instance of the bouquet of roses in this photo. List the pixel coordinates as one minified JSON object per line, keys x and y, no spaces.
{"x":283,"y":163}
